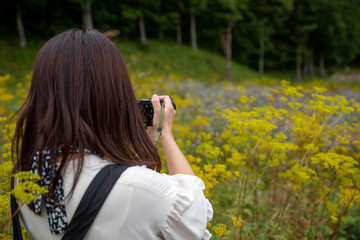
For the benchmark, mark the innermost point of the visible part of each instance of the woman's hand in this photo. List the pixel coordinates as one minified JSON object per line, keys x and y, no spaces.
{"x":168,"y":118}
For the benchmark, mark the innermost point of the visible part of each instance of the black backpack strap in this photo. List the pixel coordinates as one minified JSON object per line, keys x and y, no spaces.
{"x":92,"y":201}
{"x":15,"y":220}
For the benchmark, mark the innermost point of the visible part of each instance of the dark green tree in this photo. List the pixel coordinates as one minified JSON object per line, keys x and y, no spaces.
{"x":302,"y":23}
{"x":335,"y":39}
{"x":174,"y":11}
{"x":219,"y":19}
{"x":140,"y":10}
{"x":194,"y":7}
{"x":86,"y":13}
{"x":268,"y":16}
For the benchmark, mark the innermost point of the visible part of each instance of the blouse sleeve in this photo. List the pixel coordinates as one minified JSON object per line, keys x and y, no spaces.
{"x":190,"y":210}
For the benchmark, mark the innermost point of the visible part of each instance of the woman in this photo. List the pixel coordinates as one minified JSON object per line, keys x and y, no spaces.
{"x":80,"y":115}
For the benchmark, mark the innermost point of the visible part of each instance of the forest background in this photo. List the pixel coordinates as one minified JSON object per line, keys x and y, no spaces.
{"x":267,"y":94}
{"x":308,"y":36}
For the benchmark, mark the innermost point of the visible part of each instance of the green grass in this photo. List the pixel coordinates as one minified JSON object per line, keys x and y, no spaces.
{"x":166,"y":58}
{"x":15,"y":60}
{"x":158,"y":57}
{"x":162,"y":58}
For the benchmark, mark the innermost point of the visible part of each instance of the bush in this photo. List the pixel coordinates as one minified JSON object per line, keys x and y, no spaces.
{"x":278,"y":161}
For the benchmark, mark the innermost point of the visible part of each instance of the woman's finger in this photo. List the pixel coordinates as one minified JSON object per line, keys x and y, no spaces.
{"x":167,"y":101}
{"x":156,"y":106}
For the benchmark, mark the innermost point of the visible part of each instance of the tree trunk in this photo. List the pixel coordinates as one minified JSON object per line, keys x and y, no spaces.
{"x":229,"y":50}
{"x":311,"y":64}
{"x":261,"y":49}
{"x":322,"y":65}
{"x":161,"y":34}
{"x":193,"y":30}
{"x":86,"y":15}
{"x":226,"y":43}
{"x":142,"y":30}
{"x":306,"y":67}
{"x":178,"y":31}
{"x":20,"y":27}
{"x":298,"y":66}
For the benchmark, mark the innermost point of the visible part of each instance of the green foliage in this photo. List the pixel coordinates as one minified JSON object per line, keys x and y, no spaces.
{"x":195,"y":6}
{"x":16,"y":60}
{"x":166,"y":58}
{"x":154,"y":58}
{"x":310,"y":29}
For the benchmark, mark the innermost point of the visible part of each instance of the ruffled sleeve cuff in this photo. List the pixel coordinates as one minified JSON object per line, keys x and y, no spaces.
{"x":190,"y":210}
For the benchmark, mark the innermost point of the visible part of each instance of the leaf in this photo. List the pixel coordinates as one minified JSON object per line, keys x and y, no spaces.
{"x":275,"y":215}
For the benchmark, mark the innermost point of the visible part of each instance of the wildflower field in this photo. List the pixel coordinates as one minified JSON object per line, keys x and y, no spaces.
{"x":279,"y":161}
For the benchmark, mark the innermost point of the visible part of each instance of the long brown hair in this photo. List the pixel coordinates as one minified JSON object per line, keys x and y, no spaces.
{"x":81,"y":96}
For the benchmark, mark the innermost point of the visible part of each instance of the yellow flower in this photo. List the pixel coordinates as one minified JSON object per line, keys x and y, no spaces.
{"x":221,"y":230}
{"x":237,"y":222}
{"x":334,"y":219}
{"x":27,"y":189}
{"x":349,"y":196}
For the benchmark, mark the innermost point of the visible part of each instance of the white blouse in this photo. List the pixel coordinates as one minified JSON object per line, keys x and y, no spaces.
{"x":143,"y":204}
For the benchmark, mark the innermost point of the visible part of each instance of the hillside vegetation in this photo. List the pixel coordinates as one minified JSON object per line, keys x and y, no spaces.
{"x":160,"y":58}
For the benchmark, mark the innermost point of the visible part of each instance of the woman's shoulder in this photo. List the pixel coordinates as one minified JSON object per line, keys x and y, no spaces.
{"x":140,"y":176}
{"x":160,"y":182}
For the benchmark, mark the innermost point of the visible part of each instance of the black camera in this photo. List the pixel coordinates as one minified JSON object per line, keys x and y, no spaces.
{"x":147,"y":110}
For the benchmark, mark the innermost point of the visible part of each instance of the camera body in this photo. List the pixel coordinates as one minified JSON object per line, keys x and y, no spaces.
{"x":147,"y":110}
